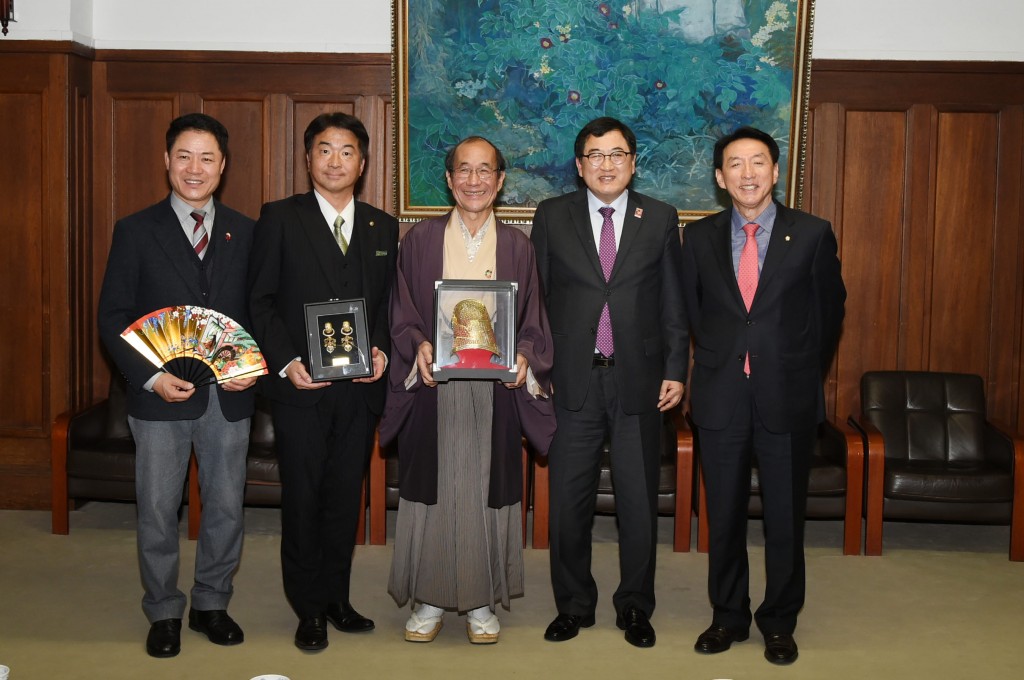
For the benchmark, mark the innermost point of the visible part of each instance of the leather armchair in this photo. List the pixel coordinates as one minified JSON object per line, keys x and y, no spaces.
{"x":933,"y":455}
{"x":675,"y":486}
{"x":835,"y":487}
{"x":92,"y":457}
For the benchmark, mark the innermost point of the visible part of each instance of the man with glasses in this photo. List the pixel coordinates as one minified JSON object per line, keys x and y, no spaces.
{"x":610,"y":263}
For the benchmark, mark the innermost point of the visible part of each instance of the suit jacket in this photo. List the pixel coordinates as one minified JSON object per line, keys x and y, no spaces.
{"x":791,"y":330}
{"x":152,"y":265}
{"x":295,"y":261}
{"x":643,"y":294}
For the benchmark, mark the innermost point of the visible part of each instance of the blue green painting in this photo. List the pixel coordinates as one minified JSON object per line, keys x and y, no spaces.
{"x":528,"y":74}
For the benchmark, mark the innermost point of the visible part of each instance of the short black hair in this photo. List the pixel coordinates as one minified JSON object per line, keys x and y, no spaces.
{"x":449,"y":159}
{"x":599,"y":127}
{"x":340,"y":120}
{"x":200,"y":122}
{"x":745,"y":132}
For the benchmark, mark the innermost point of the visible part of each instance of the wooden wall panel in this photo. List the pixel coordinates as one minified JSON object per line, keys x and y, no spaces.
{"x":241,"y":185}
{"x":21,"y":278}
{"x":919,"y":166}
{"x":964,"y":236}
{"x":137,"y":172}
{"x":872,"y":237}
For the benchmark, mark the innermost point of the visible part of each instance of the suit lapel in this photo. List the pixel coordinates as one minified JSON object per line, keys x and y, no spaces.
{"x":778,"y":249}
{"x":223,"y":253}
{"x":585,"y":230}
{"x":631,"y":222}
{"x":723,"y":254}
{"x":170,"y":237}
{"x":324,"y":248}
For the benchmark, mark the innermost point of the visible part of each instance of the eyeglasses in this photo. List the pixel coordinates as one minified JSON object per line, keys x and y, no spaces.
{"x":483,"y":174}
{"x":596,"y":158}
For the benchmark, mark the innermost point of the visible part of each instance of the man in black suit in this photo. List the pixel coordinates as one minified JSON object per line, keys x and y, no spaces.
{"x":609,"y":260}
{"x":764,"y":298}
{"x":188,"y":249}
{"x":310,"y":248}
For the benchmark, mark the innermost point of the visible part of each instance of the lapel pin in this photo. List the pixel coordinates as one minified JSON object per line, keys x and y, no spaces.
{"x":787,"y":237}
{"x":638,"y":213}
{"x":372,"y":223}
{"x":227,"y":237}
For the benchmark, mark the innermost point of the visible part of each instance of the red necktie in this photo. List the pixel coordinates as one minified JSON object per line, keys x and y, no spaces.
{"x":747,"y":276}
{"x":200,"y":239}
{"x":606,"y":252}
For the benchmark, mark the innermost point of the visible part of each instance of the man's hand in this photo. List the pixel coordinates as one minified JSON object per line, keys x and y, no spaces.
{"x":378,"y":363}
{"x":172,"y":389}
{"x":671,"y":394}
{"x":424,"y":358}
{"x":238,"y":384}
{"x":296,"y":372}
{"x":522,"y":364}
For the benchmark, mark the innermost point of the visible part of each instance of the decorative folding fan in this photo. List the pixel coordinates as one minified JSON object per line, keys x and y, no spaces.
{"x":196,"y":344}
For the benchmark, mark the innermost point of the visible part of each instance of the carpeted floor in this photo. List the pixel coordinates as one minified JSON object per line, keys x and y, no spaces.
{"x":944,"y":602}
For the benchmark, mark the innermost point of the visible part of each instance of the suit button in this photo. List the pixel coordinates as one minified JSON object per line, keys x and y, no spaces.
{"x":749,"y":322}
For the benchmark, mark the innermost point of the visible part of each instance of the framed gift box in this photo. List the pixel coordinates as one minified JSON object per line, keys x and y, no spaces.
{"x":474,"y":330}
{"x":339,"y":345}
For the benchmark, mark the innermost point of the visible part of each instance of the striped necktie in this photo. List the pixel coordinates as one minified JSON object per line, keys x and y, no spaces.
{"x":200,"y":238}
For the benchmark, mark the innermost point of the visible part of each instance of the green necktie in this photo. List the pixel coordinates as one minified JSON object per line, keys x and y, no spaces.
{"x":339,"y":235}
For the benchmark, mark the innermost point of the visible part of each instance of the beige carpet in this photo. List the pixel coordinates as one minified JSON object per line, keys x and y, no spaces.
{"x":944,"y":602}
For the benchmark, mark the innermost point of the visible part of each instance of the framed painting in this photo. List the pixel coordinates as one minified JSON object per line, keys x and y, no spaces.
{"x":528,"y":74}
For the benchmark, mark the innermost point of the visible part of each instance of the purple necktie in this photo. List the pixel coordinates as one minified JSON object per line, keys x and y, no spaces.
{"x":606,"y":252}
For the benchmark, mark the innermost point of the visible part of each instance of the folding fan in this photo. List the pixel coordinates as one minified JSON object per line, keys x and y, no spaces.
{"x":196,"y":344}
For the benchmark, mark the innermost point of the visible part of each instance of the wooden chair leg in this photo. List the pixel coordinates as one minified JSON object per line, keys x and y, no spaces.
{"x":875,"y":497}
{"x":1017,"y":518}
{"x":854,"y":492}
{"x":684,"y":491}
{"x":59,"y":475}
{"x":540,"y":503}
{"x":195,"y":502}
{"x":378,"y":495}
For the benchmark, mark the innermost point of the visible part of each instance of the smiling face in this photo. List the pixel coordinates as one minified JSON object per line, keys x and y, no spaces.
{"x":749,"y":175}
{"x":335,"y":165}
{"x":194,"y":167}
{"x":475,"y":180}
{"x":607,"y":181}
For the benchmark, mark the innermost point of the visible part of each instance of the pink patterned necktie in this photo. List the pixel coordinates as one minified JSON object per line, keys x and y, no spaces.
{"x":747,"y":276}
{"x":606,"y":252}
{"x":200,"y":239}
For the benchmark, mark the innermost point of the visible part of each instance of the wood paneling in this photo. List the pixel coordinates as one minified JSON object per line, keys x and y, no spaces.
{"x":919,"y":166}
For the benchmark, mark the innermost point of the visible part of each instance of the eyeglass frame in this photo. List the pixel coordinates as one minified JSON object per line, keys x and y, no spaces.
{"x":483,"y":174}
{"x":594,"y":163}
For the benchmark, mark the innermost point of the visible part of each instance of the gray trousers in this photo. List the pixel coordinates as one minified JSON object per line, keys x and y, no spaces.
{"x":161,"y":464}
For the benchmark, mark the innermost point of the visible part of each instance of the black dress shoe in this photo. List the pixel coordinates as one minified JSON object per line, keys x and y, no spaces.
{"x":567,"y":626}
{"x":348,"y":620}
{"x":639,"y":631}
{"x":717,"y":639}
{"x":311,"y":635}
{"x":164,"y":639}
{"x":216,"y":625}
{"x":780,"y":648}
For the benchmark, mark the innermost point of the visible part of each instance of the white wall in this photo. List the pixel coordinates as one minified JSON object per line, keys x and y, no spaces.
{"x":983,"y":30}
